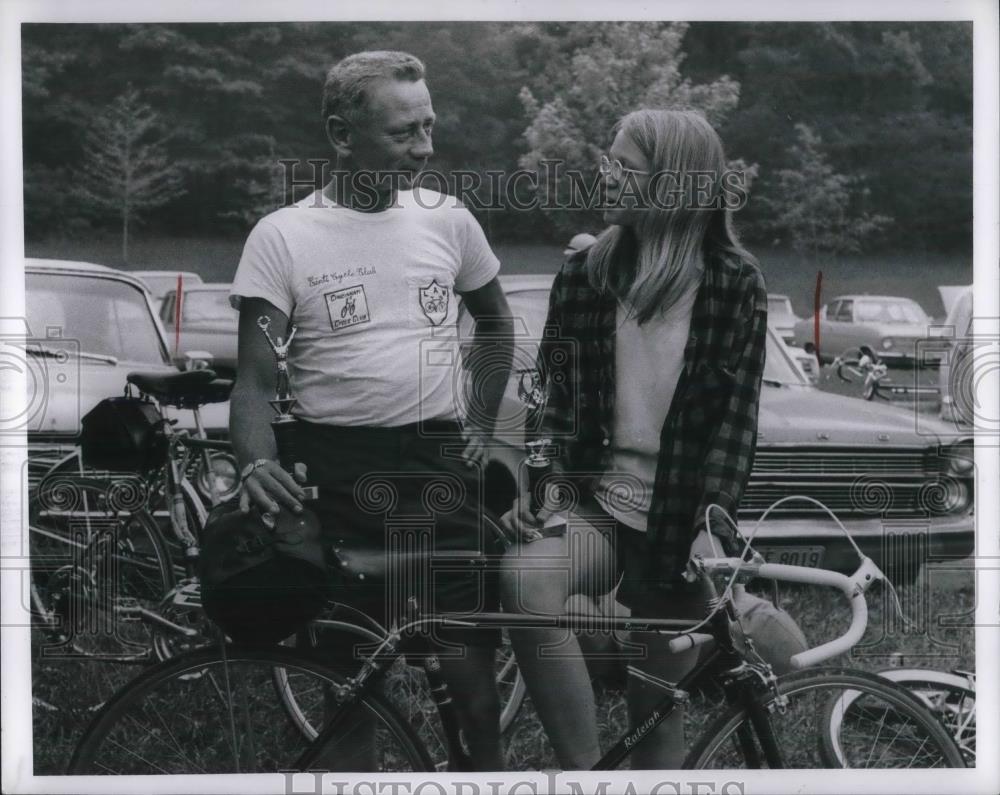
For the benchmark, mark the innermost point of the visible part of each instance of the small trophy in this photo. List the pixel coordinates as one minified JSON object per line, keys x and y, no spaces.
{"x":283,"y":423}
{"x":539,"y":465}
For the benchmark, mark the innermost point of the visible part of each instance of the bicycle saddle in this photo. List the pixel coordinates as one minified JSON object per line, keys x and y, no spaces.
{"x":183,"y":390}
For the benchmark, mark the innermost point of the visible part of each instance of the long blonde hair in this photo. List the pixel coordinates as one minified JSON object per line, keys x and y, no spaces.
{"x":650,"y":267}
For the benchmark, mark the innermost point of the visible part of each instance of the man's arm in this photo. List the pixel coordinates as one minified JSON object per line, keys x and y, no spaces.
{"x":250,"y":413}
{"x":488,"y":360}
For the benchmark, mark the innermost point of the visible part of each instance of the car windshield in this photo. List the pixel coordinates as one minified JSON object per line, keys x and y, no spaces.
{"x":888,"y":312}
{"x":960,"y":316}
{"x":779,"y":305}
{"x":163,"y":283}
{"x":778,"y":366}
{"x":208,"y":306}
{"x":529,"y":308}
{"x":103,"y":316}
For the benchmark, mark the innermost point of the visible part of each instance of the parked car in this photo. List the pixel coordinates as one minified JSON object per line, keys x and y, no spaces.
{"x":159,"y":283}
{"x":956,"y":373}
{"x":781,"y":317}
{"x":902,"y":496}
{"x":88,"y":326}
{"x":208,"y":323}
{"x":807,"y":362}
{"x":890,"y":325}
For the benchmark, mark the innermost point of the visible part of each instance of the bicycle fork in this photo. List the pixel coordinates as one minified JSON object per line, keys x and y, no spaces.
{"x":759,"y":724}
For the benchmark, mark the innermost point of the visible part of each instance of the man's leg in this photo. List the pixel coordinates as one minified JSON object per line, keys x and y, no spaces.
{"x":471,"y":680}
{"x":352,"y":749}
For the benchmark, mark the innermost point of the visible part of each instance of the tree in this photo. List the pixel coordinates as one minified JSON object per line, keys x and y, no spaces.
{"x":601,"y":72}
{"x":125,"y":168}
{"x":811,"y":203}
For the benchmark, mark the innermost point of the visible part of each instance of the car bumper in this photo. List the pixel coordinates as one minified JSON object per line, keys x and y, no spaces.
{"x":891,"y":543}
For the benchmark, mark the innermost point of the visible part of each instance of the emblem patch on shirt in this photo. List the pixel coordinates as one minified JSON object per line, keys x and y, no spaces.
{"x":347,"y":307}
{"x":434,"y":302}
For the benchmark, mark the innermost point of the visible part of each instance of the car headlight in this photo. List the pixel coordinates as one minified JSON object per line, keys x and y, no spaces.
{"x":948,"y":496}
{"x":887,"y":343}
{"x":960,"y":459}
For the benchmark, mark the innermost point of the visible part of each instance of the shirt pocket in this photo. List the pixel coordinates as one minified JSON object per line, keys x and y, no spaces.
{"x":430,"y":300}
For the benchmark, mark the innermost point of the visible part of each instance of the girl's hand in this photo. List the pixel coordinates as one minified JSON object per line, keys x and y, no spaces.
{"x":521,"y":523}
{"x":706,"y":546}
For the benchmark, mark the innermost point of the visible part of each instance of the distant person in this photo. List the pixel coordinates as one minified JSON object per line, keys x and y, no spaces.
{"x":580,"y":242}
{"x":653,"y":419}
{"x":369,"y":269}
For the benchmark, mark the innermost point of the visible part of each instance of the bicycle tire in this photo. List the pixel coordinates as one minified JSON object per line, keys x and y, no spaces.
{"x":213,"y":711}
{"x":803,"y":743}
{"x":948,"y":696}
{"x":90,"y":557}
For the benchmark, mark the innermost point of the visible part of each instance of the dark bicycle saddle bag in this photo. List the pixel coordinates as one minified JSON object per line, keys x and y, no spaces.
{"x":123,"y":434}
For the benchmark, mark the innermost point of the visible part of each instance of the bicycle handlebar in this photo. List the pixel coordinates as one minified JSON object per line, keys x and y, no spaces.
{"x":853,"y":587}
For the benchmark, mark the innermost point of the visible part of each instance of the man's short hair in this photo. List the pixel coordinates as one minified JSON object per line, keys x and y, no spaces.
{"x":345,"y":92}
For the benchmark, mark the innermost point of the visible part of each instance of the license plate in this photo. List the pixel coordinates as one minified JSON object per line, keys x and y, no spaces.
{"x":795,"y":556}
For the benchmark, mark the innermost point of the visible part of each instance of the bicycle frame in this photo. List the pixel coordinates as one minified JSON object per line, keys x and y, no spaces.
{"x":737,"y":681}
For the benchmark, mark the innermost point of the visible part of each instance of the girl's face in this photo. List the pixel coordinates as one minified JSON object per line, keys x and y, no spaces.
{"x":626,"y":182}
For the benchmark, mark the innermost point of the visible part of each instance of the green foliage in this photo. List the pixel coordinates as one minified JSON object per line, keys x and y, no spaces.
{"x":892,"y":103}
{"x":811,"y":203}
{"x":125,"y":169}
{"x":596,"y":78}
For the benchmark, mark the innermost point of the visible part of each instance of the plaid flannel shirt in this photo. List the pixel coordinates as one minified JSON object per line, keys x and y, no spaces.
{"x":709,"y":436}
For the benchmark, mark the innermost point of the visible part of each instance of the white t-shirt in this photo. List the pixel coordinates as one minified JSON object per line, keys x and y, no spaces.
{"x":648,"y":364}
{"x":373,"y":298}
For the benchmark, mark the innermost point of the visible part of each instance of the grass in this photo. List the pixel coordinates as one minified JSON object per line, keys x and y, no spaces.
{"x":68,"y":691}
{"x":913,"y":275}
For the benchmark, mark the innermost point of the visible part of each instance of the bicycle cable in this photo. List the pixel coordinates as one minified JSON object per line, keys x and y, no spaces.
{"x":727,"y":592}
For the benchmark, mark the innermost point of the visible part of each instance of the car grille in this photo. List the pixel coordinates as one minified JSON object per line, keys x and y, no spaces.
{"x":902,"y":482}
{"x":845,"y":462}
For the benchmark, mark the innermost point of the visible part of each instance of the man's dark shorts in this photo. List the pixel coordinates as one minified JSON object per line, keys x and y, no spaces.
{"x":405,"y":488}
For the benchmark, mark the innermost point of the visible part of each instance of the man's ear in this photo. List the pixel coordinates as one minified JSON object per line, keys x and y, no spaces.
{"x":340,"y":134}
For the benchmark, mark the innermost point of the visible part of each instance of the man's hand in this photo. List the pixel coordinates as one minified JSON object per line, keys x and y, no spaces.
{"x":476,"y":452}
{"x":270,"y":486}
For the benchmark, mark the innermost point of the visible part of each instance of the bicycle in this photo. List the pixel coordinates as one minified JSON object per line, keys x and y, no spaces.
{"x":144,"y":585}
{"x":96,"y":547}
{"x":864,"y":364}
{"x":213,"y":710}
{"x":951,"y":696}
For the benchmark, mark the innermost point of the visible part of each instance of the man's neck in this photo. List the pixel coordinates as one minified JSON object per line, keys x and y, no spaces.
{"x":344,"y":193}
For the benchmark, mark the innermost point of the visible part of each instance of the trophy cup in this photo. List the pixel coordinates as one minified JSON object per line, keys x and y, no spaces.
{"x":283,"y":423}
{"x":539,"y":465}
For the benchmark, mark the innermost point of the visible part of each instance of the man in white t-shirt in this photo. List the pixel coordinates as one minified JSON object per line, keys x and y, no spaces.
{"x":369,"y":269}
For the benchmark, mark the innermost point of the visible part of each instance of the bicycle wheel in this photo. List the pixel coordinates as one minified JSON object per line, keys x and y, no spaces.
{"x":950,"y":697}
{"x":96,"y":554}
{"x":510,"y":684}
{"x":214,"y":711}
{"x":887,"y":728}
{"x":405,"y":687}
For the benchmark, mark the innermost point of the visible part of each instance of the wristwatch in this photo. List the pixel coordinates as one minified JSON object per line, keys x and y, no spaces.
{"x":252,"y":467}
